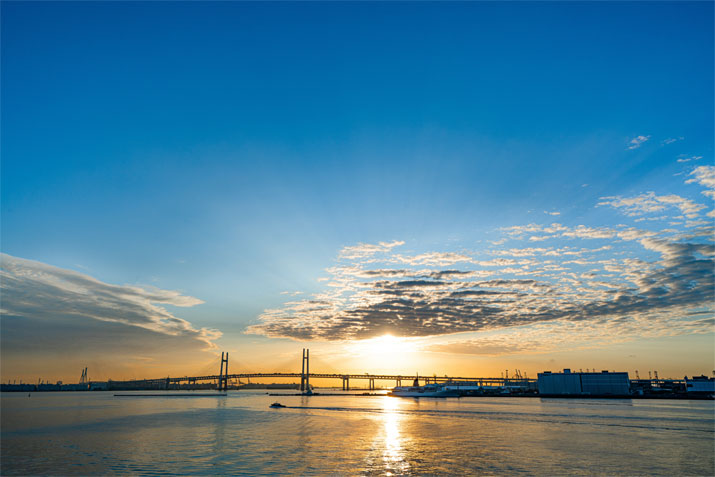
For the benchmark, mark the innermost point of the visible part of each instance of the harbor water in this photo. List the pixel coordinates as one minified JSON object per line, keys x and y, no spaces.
{"x":69,"y":433}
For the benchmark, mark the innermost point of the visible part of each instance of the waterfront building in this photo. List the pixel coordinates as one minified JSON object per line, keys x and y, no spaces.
{"x":594,"y":384}
{"x":700,"y":385}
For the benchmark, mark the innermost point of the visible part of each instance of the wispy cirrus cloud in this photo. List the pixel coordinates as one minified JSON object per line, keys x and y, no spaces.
{"x":364,"y":250}
{"x":433,"y":258}
{"x":292,"y":293}
{"x":671,"y":140}
{"x":637,"y":142}
{"x":686,"y":158}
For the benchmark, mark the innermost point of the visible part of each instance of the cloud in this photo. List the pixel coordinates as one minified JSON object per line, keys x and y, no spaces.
{"x":685,"y":158}
{"x":364,"y":250}
{"x":650,"y":202}
{"x":552,"y":213}
{"x":671,"y":140}
{"x":564,"y":335}
{"x":56,"y":321}
{"x":705,"y":176}
{"x":34,"y":291}
{"x":434,"y":258}
{"x":428,"y":306}
{"x":640,"y":282}
{"x":637,"y":141}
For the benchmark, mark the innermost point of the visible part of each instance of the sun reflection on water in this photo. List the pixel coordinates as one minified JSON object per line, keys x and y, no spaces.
{"x":391,"y":438}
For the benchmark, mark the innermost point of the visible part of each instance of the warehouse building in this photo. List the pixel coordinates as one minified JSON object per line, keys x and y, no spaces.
{"x":700,"y":385}
{"x":593,"y":384}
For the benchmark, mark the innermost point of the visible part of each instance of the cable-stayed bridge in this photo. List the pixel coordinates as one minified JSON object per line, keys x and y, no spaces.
{"x":305,"y":376}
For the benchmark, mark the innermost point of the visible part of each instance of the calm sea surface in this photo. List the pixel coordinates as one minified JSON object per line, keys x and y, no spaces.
{"x":97,"y":433}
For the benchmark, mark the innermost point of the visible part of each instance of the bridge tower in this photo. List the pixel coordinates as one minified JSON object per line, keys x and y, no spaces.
{"x":305,"y":371}
{"x":84,"y":379}
{"x":223,"y":374}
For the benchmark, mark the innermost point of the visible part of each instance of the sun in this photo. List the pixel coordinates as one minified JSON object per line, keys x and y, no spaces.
{"x":385,"y":353}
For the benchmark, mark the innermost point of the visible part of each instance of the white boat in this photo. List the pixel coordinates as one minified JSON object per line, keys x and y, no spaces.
{"x":428,"y":390}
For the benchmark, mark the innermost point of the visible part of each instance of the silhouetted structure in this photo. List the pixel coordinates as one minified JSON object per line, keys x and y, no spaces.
{"x":594,"y":384}
{"x":581,"y":384}
{"x":305,"y":371}
{"x":223,"y":374}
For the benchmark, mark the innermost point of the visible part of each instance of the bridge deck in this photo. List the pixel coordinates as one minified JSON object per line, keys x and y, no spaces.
{"x":374,"y":377}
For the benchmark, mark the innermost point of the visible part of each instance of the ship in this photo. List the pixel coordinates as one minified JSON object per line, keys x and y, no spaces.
{"x":428,"y":390}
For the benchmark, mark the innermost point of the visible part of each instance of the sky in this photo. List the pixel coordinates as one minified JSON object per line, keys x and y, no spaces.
{"x":443,"y":188}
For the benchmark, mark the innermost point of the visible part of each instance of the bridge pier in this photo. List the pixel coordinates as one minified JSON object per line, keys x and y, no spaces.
{"x":372,"y":384}
{"x":398,"y":382}
{"x":346,"y":383}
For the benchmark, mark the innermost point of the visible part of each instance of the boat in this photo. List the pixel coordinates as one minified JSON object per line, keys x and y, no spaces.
{"x":428,"y":390}
{"x":276,"y":404}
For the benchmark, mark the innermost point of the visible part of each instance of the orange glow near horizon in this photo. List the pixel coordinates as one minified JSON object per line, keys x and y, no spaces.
{"x":385,"y":352}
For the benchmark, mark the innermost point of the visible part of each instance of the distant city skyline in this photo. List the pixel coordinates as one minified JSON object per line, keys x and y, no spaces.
{"x":449,"y":188}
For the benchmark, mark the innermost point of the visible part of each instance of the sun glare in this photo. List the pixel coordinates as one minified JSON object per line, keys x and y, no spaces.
{"x":385,"y":352}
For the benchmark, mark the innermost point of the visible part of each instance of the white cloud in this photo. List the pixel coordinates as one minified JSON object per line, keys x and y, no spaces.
{"x":705,"y":176}
{"x":650,"y":202}
{"x":685,"y":158}
{"x":434,"y":258}
{"x":363,"y":250}
{"x":540,"y":238}
{"x":582,"y":231}
{"x":637,"y":141}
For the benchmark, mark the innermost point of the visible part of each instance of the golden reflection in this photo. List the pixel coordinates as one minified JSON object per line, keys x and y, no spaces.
{"x":393,"y":452}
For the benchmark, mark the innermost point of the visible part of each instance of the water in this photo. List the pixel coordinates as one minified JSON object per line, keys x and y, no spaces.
{"x":97,"y":433}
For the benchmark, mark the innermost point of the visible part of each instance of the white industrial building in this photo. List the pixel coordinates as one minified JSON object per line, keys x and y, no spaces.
{"x":595,"y":384}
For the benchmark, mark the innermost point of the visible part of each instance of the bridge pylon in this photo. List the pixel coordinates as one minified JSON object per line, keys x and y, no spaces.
{"x":305,"y":371}
{"x":223,"y":373}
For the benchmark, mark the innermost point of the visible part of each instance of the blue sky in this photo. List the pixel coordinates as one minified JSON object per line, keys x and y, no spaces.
{"x":230,"y":151}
